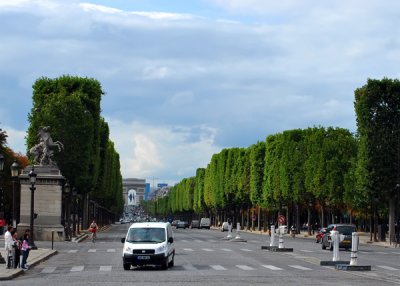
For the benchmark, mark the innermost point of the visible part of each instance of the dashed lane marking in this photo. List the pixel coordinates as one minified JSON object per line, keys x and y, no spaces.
{"x":77,"y":268}
{"x":271,"y":267}
{"x":299,"y":267}
{"x":48,"y":270}
{"x":217,"y":267}
{"x":106,"y":268}
{"x":244,"y":267}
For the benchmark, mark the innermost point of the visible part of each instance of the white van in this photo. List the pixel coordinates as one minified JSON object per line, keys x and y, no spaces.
{"x":148,"y":243}
{"x":205,"y":222}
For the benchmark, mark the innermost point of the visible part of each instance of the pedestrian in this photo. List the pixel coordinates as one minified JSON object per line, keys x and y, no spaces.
{"x":8,"y":243}
{"x":25,"y":251}
{"x":16,"y":249}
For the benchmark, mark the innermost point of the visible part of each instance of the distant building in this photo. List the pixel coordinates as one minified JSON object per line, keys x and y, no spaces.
{"x":133,"y":190}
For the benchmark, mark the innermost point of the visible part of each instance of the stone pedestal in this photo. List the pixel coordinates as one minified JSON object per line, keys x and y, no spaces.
{"x":47,"y":203}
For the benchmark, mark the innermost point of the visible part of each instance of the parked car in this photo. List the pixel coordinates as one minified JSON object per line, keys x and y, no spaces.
{"x":344,"y":229}
{"x":174,"y":222}
{"x":181,"y":224}
{"x":320,"y":233}
{"x":224,"y":226}
{"x":195,"y":224}
{"x":205,"y":222}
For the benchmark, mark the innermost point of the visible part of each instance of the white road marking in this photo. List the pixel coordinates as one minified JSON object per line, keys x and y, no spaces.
{"x":271,"y":267}
{"x":77,"y":268}
{"x":73,"y":251}
{"x":198,"y":240}
{"x":244,"y":267}
{"x":92,"y":250}
{"x":305,"y":250}
{"x":48,"y":270}
{"x":226,"y":249}
{"x":245,"y":249}
{"x":387,"y":267}
{"x":299,"y":267}
{"x":106,"y":268}
{"x":207,"y":249}
{"x":187,"y":249}
{"x":111,"y":250}
{"x":184,"y":240}
{"x":217,"y":267}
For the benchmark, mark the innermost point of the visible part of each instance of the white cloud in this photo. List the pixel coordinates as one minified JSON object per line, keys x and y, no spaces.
{"x":165,"y":152}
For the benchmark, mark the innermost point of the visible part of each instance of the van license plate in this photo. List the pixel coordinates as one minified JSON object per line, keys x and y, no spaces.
{"x":143,"y":257}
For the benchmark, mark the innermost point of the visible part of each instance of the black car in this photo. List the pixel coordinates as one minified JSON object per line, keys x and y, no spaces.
{"x":345,"y":233}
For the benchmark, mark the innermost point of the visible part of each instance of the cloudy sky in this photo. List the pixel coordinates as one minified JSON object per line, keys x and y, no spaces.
{"x":185,"y":79}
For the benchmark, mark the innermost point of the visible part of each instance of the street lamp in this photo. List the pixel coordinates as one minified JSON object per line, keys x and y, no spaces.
{"x":32,"y":180}
{"x":74,"y":194}
{"x":309,"y":216}
{"x":2,"y":260}
{"x":14,"y":174}
{"x":67,"y":190}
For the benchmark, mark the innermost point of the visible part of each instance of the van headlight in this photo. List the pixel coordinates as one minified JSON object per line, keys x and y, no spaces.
{"x":128,"y":250}
{"x":160,"y":249}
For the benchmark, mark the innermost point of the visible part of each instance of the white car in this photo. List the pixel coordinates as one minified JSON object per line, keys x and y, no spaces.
{"x":148,"y":243}
{"x":224,"y":226}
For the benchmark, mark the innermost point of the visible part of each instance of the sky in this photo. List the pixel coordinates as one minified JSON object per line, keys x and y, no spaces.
{"x":185,"y":79}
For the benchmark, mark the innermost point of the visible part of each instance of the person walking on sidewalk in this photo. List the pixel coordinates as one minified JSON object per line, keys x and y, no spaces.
{"x":25,"y":251}
{"x":8,"y":245}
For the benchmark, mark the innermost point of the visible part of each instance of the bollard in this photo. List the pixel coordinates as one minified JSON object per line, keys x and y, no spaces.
{"x":335,"y":240}
{"x":281,"y":244}
{"x":238,"y":231}
{"x":354,"y":248}
{"x":229,"y":231}
{"x":272,"y":242}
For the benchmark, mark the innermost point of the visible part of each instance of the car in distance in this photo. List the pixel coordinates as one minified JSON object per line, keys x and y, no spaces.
{"x":148,"y":243}
{"x":181,"y":224}
{"x":205,"y":222}
{"x":224,"y":226}
{"x":195,"y":224}
{"x":345,"y":230}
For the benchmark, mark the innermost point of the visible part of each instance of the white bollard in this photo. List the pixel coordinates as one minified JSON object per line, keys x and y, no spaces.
{"x":335,"y":240}
{"x":281,"y":243}
{"x":229,"y":231}
{"x":237,"y":231}
{"x":354,"y":248}
{"x":272,"y":242}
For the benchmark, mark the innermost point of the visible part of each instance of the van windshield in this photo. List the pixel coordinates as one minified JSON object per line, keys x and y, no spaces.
{"x":146,"y":235}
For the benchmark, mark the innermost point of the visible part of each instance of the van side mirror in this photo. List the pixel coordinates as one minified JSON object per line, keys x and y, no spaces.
{"x":123,"y":240}
{"x":171,"y":239}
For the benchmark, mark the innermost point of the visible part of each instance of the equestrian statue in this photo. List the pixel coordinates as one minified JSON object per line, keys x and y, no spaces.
{"x":42,"y":152}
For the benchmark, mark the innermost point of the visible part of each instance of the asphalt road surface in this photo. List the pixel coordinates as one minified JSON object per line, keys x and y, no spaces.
{"x":204,"y":258}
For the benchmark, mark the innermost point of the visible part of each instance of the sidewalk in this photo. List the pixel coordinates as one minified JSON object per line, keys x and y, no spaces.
{"x":35,"y":257}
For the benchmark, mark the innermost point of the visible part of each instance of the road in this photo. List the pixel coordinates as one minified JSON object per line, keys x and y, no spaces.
{"x":203,"y":258}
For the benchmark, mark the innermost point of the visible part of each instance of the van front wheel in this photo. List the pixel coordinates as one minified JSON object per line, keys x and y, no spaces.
{"x":127,"y":266}
{"x":164,"y":266}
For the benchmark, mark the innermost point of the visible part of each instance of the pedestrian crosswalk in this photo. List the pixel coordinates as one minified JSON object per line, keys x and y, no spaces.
{"x":191,"y":267}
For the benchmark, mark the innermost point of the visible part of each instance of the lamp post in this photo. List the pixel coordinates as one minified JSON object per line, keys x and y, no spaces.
{"x":68,"y":215}
{"x":14,"y":175}
{"x":2,"y":260}
{"x":74,"y":193}
{"x":32,"y":179}
{"x":309,"y":216}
